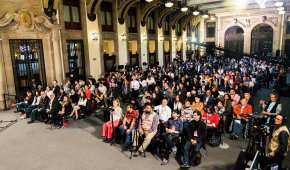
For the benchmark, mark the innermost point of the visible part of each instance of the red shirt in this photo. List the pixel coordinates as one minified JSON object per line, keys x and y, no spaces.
{"x":131,"y":115}
{"x":88,"y":93}
{"x":212,"y":119}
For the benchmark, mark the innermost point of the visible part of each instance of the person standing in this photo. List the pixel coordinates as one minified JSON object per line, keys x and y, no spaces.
{"x":280,"y":142}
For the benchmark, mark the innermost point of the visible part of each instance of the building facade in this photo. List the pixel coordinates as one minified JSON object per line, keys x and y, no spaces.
{"x":42,"y":41}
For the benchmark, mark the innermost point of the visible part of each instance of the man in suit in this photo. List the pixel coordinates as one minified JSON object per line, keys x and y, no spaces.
{"x":208,"y":99}
{"x":40,"y":112}
{"x":54,"y":108}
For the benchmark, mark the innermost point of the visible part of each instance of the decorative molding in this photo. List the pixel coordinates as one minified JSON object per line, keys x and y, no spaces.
{"x":26,"y":20}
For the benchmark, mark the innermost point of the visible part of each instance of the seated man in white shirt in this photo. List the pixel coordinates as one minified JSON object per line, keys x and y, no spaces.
{"x":163,"y":111}
{"x":135,"y":86}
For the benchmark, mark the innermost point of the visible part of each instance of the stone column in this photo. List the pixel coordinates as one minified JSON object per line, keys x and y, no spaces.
{"x":184,"y":44}
{"x":202,"y":31}
{"x":2,"y":76}
{"x":94,"y":51}
{"x":218,"y":31}
{"x":160,"y":46}
{"x":144,"y":44}
{"x":122,"y":44}
{"x":173,"y":44}
{"x":57,"y":54}
{"x":247,"y":41}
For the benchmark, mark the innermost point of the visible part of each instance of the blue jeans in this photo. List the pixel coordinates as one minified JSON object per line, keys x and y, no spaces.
{"x":187,"y":157}
{"x":237,"y":127}
{"x":20,"y":107}
{"x":128,"y":136}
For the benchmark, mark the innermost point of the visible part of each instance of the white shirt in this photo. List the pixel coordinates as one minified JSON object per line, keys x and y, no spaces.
{"x":102,"y":89}
{"x":135,"y":85}
{"x":164,"y":112}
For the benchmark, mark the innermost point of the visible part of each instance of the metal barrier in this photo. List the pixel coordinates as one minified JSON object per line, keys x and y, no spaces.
{"x":8,"y":99}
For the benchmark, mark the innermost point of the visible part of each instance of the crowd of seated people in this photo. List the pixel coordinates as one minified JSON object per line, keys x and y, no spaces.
{"x":181,"y":106}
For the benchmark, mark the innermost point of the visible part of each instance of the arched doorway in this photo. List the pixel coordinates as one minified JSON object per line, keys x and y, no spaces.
{"x":262,"y":40}
{"x":234,"y":39}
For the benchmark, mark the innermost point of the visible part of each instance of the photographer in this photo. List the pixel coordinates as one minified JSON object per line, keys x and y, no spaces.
{"x":280,"y":142}
{"x":271,"y":108}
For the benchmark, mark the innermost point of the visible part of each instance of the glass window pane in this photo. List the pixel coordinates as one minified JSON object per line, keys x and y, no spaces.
{"x":66,"y":13}
{"x":75,"y":14}
{"x":109,"y":18}
{"x":288,"y":28}
{"x":103,"y":18}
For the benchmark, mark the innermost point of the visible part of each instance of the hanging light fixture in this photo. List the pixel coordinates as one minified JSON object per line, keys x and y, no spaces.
{"x":149,"y":0}
{"x":196,"y":13}
{"x":212,"y":18}
{"x":280,"y":9}
{"x":205,"y":16}
{"x":184,"y":9}
{"x":169,"y":4}
{"x":278,"y":4}
{"x":281,"y":12}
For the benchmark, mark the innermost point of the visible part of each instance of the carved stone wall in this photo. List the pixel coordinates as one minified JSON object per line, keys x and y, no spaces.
{"x":25,"y":24}
{"x":247,"y":23}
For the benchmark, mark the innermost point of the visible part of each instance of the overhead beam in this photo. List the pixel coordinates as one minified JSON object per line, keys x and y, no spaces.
{"x":148,"y":9}
{"x":123,"y":11}
{"x":163,"y":15}
{"x":176,"y":19}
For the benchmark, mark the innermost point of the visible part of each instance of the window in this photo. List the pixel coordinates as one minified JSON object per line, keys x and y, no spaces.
{"x":188,"y":30}
{"x":288,"y":27}
{"x":210,"y":30}
{"x":178,"y":29}
{"x":72,"y":18}
{"x":132,"y":20}
{"x":166,"y":27}
{"x":150,"y":24}
{"x":106,"y":16}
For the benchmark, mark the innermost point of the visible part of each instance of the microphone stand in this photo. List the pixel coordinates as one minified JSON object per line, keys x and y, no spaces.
{"x":113,"y":127}
{"x":223,"y":145}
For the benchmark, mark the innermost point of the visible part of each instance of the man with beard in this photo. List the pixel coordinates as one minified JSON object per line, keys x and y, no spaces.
{"x":147,"y":127}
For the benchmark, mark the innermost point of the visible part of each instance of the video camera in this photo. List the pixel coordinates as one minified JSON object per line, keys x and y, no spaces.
{"x":257,"y":126}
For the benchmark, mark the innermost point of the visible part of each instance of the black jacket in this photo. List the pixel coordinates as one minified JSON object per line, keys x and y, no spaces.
{"x":43,"y":103}
{"x":193,"y":126}
{"x":55,"y":106}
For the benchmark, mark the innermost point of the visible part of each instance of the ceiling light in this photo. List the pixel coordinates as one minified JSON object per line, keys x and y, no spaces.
{"x":195,"y":13}
{"x":280,"y":9}
{"x":184,"y":9}
{"x":149,"y":0}
{"x":279,"y":4}
{"x":281,"y":12}
{"x":212,"y":18}
{"x":169,"y":4}
{"x":205,"y":16}
{"x":262,"y":6}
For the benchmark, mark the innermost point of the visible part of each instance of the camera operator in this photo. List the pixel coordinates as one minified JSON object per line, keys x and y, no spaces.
{"x":280,"y":141}
{"x":271,"y":108}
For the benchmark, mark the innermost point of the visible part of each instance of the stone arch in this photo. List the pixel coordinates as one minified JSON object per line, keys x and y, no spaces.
{"x":92,"y":9}
{"x":262,"y":38}
{"x":148,"y":9}
{"x":234,"y":39}
{"x":176,"y":19}
{"x":163,"y":15}
{"x":122,"y":12}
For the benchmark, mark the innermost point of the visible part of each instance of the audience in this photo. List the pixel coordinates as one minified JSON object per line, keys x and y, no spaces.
{"x":183,"y":102}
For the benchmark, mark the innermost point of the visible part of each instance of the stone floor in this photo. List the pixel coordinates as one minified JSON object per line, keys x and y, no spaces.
{"x":78,"y":147}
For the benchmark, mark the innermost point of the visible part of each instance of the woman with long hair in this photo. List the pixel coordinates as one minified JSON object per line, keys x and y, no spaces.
{"x":115,"y":118}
